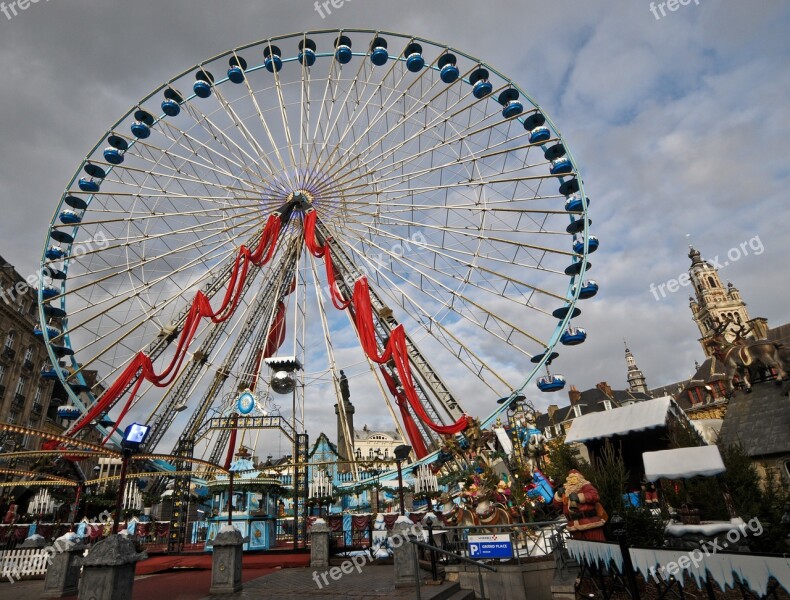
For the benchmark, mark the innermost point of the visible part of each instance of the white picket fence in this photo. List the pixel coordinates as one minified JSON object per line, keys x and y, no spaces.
{"x":25,"y":563}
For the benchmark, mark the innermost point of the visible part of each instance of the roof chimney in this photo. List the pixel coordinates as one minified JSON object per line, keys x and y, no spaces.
{"x":574,"y":395}
{"x":553,"y":408}
{"x":605,"y":389}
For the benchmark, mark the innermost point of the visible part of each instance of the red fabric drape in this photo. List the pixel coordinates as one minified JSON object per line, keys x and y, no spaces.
{"x":389,"y":520}
{"x":360,"y":522}
{"x":417,"y":443}
{"x":141,"y":367}
{"x":276,"y":335}
{"x":395,"y":348}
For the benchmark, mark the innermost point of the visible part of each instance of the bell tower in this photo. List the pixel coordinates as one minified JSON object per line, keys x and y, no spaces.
{"x":714,"y":302}
{"x":636,"y":379}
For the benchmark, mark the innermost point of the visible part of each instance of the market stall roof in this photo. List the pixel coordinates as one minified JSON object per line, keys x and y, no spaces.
{"x":683,"y":463}
{"x":639,"y":416}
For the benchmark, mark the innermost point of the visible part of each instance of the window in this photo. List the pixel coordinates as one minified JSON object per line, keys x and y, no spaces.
{"x":29,"y":353}
{"x":607,"y":405}
{"x":577,"y":410}
{"x":37,"y":397}
{"x":10,"y":339}
{"x":12,"y":418}
{"x":711,"y":282}
{"x":2,"y":374}
{"x":20,"y":386}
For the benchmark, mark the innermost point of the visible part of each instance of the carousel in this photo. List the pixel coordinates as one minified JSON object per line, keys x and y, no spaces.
{"x":248,"y":499}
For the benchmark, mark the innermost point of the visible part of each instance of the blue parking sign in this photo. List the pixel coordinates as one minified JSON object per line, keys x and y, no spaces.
{"x":490,"y":546}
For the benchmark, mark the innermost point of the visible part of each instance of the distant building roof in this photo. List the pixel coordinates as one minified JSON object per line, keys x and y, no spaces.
{"x":369,"y":434}
{"x":591,"y":401}
{"x":759,"y":421}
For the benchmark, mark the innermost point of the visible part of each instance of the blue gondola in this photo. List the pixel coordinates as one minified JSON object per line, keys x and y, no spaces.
{"x":61,"y":236}
{"x":70,"y":217}
{"x":509,"y":99}
{"x":307,"y":49}
{"x":481,"y":87}
{"x":343,"y":52}
{"x":237,"y":67}
{"x":573,"y":336}
{"x":79,"y":387}
{"x":551,"y":383}
{"x":170,"y":108}
{"x":88,"y":185}
{"x":53,"y":273}
{"x":378,"y":51}
{"x":203,"y":83}
{"x":272,"y":59}
{"x":592,"y":245}
{"x":561,"y":166}
{"x":49,"y":291}
{"x":589,"y":289}
{"x":448,"y":70}
{"x":574,"y":203}
{"x":61,"y":351}
{"x":140,"y":130}
{"x":52,"y":373}
{"x":576,"y":268}
{"x":171,"y":105}
{"x":414,"y":60}
{"x":113,"y":156}
{"x":52,"y":331}
{"x":539,"y":135}
{"x":53,"y":312}
{"x":55,"y":253}
{"x":69,"y":412}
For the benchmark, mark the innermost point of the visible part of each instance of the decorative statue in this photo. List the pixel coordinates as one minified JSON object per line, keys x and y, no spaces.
{"x":579,"y":501}
{"x":344,"y":391}
{"x":11,"y":516}
{"x":743,"y":353}
{"x":650,"y":493}
{"x":533,"y":441}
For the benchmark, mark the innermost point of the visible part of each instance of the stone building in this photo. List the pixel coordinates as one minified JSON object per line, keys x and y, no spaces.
{"x":24,"y":394}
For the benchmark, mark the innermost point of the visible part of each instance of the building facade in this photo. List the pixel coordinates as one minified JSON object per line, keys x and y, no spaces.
{"x":24,"y":395}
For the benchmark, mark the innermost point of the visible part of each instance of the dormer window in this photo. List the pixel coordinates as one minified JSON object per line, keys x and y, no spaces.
{"x":607,"y":404}
{"x":577,"y":410}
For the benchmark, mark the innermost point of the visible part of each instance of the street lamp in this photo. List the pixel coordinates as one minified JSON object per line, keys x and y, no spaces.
{"x":133,"y":438}
{"x":401,"y":453}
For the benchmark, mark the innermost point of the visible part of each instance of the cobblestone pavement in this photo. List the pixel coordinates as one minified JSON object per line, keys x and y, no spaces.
{"x":373,"y":582}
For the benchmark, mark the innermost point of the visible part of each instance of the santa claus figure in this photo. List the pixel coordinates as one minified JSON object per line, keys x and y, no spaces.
{"x":579,"y":501}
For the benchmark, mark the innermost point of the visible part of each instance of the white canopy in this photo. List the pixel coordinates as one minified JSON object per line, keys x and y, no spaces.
{"x":683,"y":463}
{"x":638,"y":416}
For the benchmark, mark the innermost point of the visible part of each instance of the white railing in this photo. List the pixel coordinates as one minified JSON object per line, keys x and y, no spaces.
{"x":29,"y":562}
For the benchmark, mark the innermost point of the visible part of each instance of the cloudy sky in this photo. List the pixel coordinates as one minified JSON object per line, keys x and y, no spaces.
{"x":680,"y":126}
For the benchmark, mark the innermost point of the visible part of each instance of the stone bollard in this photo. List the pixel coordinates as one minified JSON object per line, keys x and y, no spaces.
{"x":319,"y":544}
{"x":404,"y":553}
{"x":63,"y":573}
{"x":226,"y":561}
{"x":108,"y":570}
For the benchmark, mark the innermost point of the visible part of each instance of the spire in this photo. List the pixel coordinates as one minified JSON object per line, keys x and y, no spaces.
{"x":636,"y":379}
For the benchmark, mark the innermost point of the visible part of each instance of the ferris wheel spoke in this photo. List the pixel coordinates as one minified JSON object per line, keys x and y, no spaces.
{"x":176,"y":135}
{"x":433,"y":326}
{"x":135,"y":292}
{"x":146,"y":151}
{"x":283,"y":114}
{"x":454,"y":294}
{"x":377,"y":89}
{"x":397,"y":95}
{"x":372,"y":162}
{"x":221,"y":136}
{"x":510,"y":261}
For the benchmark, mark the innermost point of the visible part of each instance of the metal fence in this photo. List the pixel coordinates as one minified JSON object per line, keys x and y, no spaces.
{"x":528,"y":541}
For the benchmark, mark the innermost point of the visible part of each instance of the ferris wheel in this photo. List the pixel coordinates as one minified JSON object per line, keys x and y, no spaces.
{"x":348,"y":199}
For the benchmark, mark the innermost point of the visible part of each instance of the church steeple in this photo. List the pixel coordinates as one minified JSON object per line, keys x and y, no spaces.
{"x":636,"y":379}
{"x":714,"y":303}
